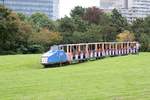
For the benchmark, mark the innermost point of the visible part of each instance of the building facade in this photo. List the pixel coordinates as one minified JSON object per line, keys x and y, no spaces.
{"x":131,"y":9}
{"x":28,"y":7}
{"x":111,"y":4}
{"x":136,"y":9}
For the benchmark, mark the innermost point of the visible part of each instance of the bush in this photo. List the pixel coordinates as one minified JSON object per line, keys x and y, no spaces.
{"x":145,"y":42}
{"x":7,"y":52}
{"x":35,"y":49}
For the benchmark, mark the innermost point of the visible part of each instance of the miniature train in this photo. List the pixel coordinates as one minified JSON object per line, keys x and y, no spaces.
{"x":70,"y":53}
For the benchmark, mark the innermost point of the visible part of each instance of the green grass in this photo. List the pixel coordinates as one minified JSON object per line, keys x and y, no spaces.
{"x":118,"y":78}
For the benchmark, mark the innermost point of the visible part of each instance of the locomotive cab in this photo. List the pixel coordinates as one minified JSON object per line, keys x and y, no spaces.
{"x":54,"y":56}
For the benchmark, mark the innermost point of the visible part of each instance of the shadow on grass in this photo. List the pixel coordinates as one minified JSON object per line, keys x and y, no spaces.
{"x":73,"y":63}
{"x":81,"y":62}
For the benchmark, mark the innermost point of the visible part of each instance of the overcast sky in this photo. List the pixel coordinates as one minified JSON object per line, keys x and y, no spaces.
{"x":67,"y":5}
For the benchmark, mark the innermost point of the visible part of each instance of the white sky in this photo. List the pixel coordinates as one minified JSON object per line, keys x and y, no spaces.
{"x":67,"y":5}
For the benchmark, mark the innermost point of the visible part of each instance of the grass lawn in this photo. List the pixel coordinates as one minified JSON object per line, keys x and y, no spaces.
{"x":118,"y":78}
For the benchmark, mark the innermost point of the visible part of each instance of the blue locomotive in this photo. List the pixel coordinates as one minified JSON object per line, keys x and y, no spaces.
{"x":54,"y":56}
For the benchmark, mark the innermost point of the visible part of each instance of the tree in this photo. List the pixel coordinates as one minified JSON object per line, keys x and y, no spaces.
{"x":25,"y":31}
{"x":144,"y":40}
{"x":78,"y":11}
{"x":46,"y":38}
{"x":105,"y":20}
{"x":146,"y":26}
{"x":9,"y":29}
{"x":14,"y":32}
{"x":138,"y":28}
{"x":78,"y":37}
{"x":93,"y":15}
{"x":40,"y":20}
{"x":93,"y":34}
{"x":118,"y":21}
{"x":142,"y":32}
{"x":125,"y":36}
{"x":109,"y":33}
{"x":23,"y":17}
{"x":80,"y":24}
{"x":66,"y":24}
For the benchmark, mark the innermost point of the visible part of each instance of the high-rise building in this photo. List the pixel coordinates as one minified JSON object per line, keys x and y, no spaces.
{"x":106,"y":4}
{"x":49,"y":7}
{"x":131,"y":9}
{"x":127,"y":3}
{"x":136,"y":9}
{"x":111,"y":4}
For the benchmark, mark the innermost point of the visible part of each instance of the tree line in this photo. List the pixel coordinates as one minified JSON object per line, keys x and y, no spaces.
{"x":20,"y":33}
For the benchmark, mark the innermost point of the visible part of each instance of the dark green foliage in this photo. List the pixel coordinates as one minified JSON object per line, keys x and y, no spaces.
{"x":78,"y":11}
{"x":40,"y":21}
{"x":67,"y":24}
{"x":9,"y":30}
{"x":23,"y":17}
{"x":142,"y":32}
{"x":35,"y":49}
{"x":80,"y":24}
{"x":109,"y":33}
{"x":20,"y":33}
{"x":118,"y":21}
{"x":16,"y":31}
{"x":93,"y":34}
{"x":144,"y":39}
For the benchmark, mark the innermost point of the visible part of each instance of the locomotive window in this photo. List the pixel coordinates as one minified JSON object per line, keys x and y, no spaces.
{"x":65,"y":48}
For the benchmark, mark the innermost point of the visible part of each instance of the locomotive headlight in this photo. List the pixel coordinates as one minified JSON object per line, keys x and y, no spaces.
{"x":44,"y":60}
